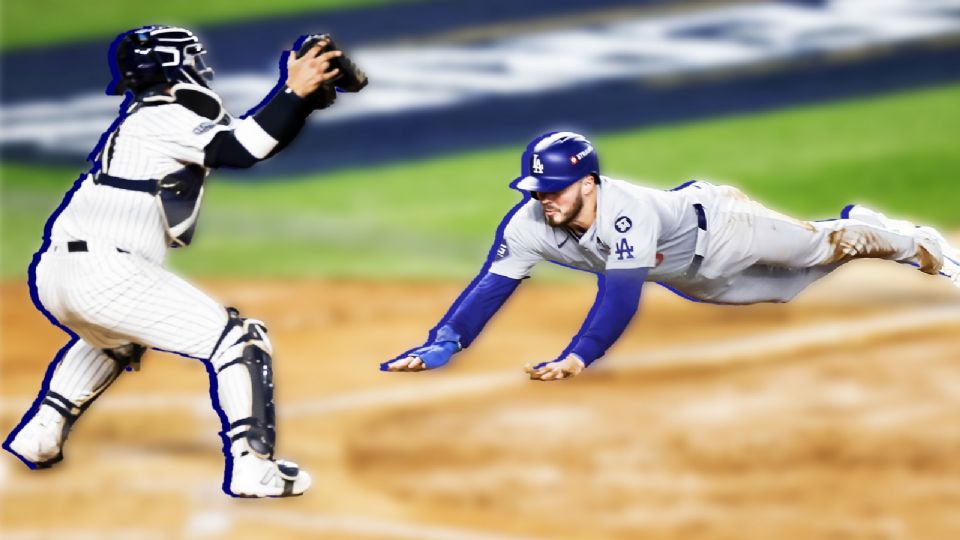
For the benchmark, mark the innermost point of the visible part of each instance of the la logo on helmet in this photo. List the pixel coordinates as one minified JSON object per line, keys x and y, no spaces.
{"x":537,"y":165}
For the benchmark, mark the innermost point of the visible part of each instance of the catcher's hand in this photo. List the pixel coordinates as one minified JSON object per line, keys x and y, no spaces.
{"x":310,"y":71}
{"x":555,"y":370}
{"x":349,"y":78}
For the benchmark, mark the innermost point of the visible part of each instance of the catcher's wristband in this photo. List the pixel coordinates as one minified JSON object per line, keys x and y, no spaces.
{"x":283,"y":115}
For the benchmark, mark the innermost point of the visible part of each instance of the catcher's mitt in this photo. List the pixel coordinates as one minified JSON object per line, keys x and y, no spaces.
{"x":350,"y":79}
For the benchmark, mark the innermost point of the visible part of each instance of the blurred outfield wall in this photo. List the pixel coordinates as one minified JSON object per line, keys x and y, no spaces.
{"x":669,"y":90}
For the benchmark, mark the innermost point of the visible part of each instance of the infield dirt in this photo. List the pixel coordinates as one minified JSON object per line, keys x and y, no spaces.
{"x":792,"y":433}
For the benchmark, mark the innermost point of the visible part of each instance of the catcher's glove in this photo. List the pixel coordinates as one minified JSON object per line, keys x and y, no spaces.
{"x":350,"y":79}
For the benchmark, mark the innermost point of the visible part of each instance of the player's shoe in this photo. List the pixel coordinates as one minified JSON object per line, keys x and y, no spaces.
{"x":929,"y":238}
{"x":872,"y":217}
{"x":254,"y":476}
{"x":40,"y":441}
{"x":951,"y":257}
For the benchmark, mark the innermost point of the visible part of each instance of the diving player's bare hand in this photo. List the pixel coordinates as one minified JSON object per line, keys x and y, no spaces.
{"x":407,"y":363}
{"x":307,"y":73}
{"x":556,"y":370}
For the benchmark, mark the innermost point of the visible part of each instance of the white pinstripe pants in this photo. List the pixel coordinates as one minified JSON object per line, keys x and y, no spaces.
{"x":110,"y":299}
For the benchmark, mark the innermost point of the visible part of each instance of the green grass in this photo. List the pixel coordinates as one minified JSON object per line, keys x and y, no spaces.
{"x":42,"y":22}
{"x":435,"y":218}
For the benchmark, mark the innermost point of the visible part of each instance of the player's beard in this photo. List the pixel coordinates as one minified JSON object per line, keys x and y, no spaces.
{"x":562,"y":219}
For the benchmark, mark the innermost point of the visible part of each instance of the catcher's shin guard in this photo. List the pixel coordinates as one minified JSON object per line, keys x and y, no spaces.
{"x":244,"y":371}
{"x":245,"y":387}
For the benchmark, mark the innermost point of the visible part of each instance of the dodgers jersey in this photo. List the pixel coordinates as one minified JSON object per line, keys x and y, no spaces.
{"x":635,"y":227}
{"x":151,"y":142}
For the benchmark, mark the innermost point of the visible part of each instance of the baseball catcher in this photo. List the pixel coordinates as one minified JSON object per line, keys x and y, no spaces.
{"x":100,"y":272}
{"x":708,"y":243}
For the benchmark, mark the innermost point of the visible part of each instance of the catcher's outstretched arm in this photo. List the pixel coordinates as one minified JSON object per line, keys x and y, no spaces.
{"x":271,"y":126}
{"x":261,"y":135}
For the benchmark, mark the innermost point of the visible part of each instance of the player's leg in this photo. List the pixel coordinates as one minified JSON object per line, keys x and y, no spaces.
{"x":778,"y":242}
{"x":758,"y":284}
{"x":744,"y":233}
{"x":164,"y":311}
{"x":82,"y":370}
{"x":243,"y":363}
{"x":82,"y":374}
{"x":951,"y":256}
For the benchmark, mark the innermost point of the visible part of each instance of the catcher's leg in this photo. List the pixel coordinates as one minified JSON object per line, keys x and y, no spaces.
{"x":82,"y":374}
{"x":244,"y":376}
{"x":170,"y":314}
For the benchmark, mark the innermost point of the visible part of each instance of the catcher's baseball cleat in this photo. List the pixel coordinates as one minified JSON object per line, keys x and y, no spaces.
{"x":39,"y":442}
{"x":254,"y":476}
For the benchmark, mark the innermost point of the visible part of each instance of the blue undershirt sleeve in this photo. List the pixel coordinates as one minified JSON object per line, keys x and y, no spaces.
{"x":616,"y":303}
{"x":478,"y":305}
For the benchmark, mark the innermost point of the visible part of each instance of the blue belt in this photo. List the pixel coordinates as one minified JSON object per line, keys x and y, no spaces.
{"x":700,"y":247}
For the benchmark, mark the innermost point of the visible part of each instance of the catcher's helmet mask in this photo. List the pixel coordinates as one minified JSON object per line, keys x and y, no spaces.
{"x":157,"y":55}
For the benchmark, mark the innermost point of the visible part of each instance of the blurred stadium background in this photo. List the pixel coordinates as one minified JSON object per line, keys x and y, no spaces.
{"x":364,"y":230}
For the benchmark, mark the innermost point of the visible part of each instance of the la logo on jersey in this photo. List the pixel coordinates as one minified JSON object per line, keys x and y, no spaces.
{"x":537,"y":165}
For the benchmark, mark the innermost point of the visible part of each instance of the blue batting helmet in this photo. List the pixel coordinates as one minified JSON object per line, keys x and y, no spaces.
{"x":153,"y":55}
{"x":555,"y":160}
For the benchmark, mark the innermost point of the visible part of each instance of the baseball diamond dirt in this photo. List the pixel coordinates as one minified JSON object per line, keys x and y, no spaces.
{"x":830,"y":417}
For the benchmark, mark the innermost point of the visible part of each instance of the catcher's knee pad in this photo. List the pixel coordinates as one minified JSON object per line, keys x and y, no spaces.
{"x":244,"y":369}
{"x":128,"y":356}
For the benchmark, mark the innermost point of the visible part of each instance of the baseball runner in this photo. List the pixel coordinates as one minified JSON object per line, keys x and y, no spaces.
{"x":100,"y":274}
{"x":708,"y":243}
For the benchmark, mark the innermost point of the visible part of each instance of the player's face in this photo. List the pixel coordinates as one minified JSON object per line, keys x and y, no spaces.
{"x":562,"y":207}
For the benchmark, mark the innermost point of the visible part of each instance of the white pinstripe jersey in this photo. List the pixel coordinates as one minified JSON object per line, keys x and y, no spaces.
{"x":151,"y":142}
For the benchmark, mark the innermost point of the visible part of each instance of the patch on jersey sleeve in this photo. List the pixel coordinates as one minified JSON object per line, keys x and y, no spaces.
{"x":503,"y":250}
{"x":624,"y":250}
{"x":203,"y":128}
{"x":623,"y":224}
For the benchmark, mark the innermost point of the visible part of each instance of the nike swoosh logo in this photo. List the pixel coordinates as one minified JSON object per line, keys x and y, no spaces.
{"x":560,"y":245}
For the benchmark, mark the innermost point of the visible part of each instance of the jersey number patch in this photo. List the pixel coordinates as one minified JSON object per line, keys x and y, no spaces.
{"x":624,"y":250}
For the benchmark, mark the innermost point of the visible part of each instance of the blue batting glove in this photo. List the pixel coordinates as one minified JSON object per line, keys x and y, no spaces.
{"x":434,"y":355}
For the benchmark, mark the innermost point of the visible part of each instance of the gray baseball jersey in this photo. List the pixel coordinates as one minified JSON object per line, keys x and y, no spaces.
{"x":635,"y":227}
{"x":736,"y":251}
